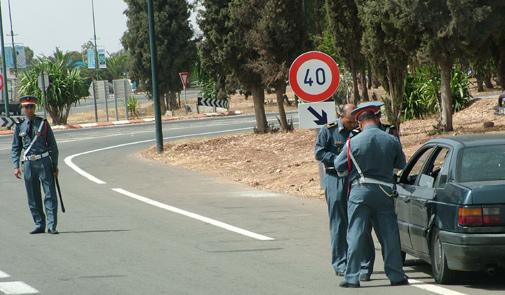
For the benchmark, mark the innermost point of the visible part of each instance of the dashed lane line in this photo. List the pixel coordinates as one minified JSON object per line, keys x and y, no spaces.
{"x":17,"y":288}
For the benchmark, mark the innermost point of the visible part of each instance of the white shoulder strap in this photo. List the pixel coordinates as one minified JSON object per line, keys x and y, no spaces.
{"x":35,"y":138}
{"x":349,"y":151}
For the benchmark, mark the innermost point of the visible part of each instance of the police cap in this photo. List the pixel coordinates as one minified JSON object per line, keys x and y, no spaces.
{"x":27,"y":100}
{"x":373,"y":107}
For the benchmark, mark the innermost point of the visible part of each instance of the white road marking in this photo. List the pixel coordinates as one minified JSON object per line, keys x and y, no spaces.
{"x":194,"y":216}
{"x":68,"y":160}
{"x":433,"y":288}
{"x":3,"y":275}
{"x":16,"y":288}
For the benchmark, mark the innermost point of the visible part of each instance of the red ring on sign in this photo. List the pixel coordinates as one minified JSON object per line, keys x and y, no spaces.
{"x":299,"y":61}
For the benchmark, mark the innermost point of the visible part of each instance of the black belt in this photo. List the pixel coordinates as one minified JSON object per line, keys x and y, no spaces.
{"x":330,"y":170}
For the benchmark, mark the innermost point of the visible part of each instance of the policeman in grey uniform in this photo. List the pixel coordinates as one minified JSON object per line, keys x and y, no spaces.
{"x":330,"y":142}
{"x":39,"y":162}
{"x":373,"y":155}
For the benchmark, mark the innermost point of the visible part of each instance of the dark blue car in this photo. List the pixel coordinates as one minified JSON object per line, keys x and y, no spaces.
{"x":451,"y":205}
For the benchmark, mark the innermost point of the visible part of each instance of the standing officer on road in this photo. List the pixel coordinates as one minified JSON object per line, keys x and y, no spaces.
{"x":40,"y":165}
{"x":330,"y":142}
{"x":372,"y":156}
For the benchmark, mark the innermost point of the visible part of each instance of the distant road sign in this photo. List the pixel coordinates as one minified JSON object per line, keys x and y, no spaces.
{"x":314,"y":76}
{"x":184,"y":79}
{"x":316,"y":115}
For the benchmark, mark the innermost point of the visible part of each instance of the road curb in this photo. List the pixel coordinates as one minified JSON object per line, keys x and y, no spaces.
{"x":132,"y":122}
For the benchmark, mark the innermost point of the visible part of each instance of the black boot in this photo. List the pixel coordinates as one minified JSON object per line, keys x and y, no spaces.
{"x":345,"y":284}
{"x":37,"y":231}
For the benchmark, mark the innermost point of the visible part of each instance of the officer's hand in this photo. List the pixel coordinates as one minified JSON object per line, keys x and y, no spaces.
{"x":17,"y":173}
{"x":56,"y":172}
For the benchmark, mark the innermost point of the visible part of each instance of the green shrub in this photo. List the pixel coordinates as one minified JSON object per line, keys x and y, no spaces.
{"x":422,"y":96}
{"x":133,"y":105}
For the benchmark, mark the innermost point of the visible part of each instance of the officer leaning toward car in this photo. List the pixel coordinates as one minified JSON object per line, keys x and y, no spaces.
{"x":330,"y":142}
{"x":369,"y":159}
{"x":39,"y":163}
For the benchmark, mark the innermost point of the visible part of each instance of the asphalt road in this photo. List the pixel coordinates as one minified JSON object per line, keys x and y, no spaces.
{"x":135,"y":226}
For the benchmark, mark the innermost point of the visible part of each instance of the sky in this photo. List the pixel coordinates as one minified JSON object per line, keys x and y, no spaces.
{"x":44,"y":25}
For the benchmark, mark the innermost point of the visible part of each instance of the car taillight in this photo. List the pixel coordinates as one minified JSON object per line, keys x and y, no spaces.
{"x":476,"y":216}
{"x":470,"y":216}
{"x":491,"y":216}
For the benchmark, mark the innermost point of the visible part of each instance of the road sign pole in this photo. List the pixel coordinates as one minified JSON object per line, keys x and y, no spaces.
{"x":4,"y":66}
{"x":154,"y":78}
{"x":185,"y":101}
{"x":94,"y":99}
{"x":96,"y":59}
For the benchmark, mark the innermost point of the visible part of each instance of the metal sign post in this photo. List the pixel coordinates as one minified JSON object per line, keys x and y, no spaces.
{"x":184,"y":80}
{"x":154,"y":78}
{"x":4,"y":67}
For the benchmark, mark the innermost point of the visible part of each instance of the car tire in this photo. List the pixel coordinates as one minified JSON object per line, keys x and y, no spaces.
{"x":441,"y":272}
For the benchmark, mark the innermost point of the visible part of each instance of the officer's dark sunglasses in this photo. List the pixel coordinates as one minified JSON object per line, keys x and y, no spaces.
{"x":29,"y":106}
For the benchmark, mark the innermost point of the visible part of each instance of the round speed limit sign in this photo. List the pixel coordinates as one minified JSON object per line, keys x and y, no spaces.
{"x":314,"y":76}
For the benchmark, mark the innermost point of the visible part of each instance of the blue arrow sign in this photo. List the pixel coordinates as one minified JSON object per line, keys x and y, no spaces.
{"x":321,"y":119}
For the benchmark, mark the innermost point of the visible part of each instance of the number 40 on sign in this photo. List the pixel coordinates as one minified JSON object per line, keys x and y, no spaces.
{"x":314,"y":76}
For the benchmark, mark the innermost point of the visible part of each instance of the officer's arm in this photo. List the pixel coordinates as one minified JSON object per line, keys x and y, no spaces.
{"x":17,"y":146}
{"x":52,"y":146}
{"x":341,"y":162}
{"x":400,"y":160}
{"x":322,"y":154}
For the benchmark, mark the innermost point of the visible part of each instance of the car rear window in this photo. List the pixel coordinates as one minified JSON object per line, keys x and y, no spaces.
{"x":483,"y":163}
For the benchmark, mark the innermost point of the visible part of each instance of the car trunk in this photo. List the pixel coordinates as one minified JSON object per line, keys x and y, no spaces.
{"x":486,"y":192}
{"x":489,"y":198}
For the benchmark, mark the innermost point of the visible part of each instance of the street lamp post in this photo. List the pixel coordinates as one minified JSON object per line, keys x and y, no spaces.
{"x":4,"y":66}
{"x":14,"y":52}
{"x":154,"y":78}
{"x":96,"y":60}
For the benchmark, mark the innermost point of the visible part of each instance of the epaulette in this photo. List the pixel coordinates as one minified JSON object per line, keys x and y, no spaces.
{"x":331,"y":125}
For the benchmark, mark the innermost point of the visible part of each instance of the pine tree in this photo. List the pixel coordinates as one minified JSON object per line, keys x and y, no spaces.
{"x":389,"y":41}
{"x":176,"y":49}
{"x":241,"y":55}
{"x":347,"y":31}
{"x":279,"y":37}
{"x":213,"y":21}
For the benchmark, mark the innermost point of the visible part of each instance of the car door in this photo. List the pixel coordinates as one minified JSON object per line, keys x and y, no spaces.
{"x":421,"y":211}
{"x":406,"y":188}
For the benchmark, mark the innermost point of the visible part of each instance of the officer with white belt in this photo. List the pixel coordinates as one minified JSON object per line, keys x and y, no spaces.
{"x":369,"y":159}
{"x":39,"y":161}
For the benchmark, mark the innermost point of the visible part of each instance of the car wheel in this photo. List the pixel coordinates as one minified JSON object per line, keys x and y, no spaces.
{"x":441,"y":272}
